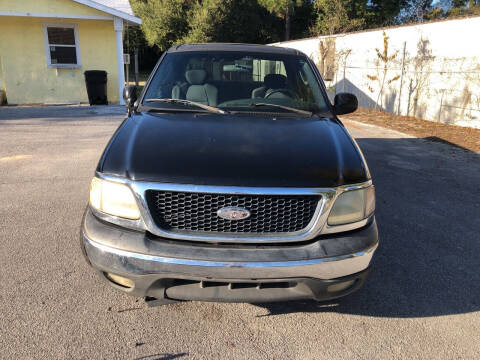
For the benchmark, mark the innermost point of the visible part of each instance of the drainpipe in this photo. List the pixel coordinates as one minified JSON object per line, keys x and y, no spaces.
{"x":118,"y":26}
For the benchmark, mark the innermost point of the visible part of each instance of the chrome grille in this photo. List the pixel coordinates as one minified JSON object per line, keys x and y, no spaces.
{"x":187,"y":211}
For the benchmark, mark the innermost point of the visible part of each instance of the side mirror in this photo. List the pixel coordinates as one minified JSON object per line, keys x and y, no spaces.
{"x":130,"y":96}
{"x":345,"y":103}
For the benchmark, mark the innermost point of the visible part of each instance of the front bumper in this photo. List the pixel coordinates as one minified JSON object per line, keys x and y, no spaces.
{"x":182,"y":270}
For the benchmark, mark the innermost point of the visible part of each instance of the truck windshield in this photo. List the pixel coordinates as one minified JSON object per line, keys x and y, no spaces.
{"x":237,"y":82}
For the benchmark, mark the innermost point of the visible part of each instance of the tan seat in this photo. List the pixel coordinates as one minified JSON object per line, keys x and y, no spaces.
{"x":198,"y":90}
{"x":179,"y":90}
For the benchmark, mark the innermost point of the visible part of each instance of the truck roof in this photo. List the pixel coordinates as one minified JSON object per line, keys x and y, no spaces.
{"x":234,"y":47}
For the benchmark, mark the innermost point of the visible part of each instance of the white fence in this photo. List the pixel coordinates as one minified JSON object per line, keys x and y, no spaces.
{"x":433,"y":71}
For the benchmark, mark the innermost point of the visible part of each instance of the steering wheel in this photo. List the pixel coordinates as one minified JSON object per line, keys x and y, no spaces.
{"x":285,"y":92}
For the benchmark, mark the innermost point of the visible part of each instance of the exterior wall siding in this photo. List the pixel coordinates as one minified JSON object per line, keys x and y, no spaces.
{"x":441,"y":69}
{"x":25,"y":75}
{"x":48,"y":7}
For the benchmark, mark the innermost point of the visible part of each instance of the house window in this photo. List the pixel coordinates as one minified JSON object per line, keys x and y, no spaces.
{"x":61,"y":42}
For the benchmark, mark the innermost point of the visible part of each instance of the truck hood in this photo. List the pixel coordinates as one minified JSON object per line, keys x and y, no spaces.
{"x":234,"y":150}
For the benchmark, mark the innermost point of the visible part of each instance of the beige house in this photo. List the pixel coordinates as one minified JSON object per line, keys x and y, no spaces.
{"x":47,"y":45}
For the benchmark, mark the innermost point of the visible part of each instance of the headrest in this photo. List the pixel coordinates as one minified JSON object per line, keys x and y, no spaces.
{"x":196,"y":77}
{"x":275,"y":81}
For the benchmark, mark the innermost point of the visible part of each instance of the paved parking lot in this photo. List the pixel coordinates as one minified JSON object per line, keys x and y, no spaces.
{"x":421,"y":301}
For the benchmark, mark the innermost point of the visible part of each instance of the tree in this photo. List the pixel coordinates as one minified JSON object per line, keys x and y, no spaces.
{"x":346,"y":15}
{"x":385,"y":12}
{"x":229,"y":21}
{"x":418,"y":11}
{"x":134,"y":39}
{"x":164,"y":22}
{"x":452,"y":8}
{"x":169,"y":22}
{"x":333,"y":17}
{"x":435,"y":14}
{"x":283,"y":8}
{"x":302,"y":20}
{"x":459,"y":3}
{"x":463,"y":8}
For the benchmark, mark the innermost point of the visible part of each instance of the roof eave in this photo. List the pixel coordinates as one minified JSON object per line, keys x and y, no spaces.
{"x":111,"y":11}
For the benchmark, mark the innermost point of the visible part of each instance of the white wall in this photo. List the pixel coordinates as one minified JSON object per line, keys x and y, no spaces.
{"x":441,"y":80}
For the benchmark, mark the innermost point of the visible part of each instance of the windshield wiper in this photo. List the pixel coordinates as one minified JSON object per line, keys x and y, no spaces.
{"x":288,"y":108}
{"x":188,"y":102}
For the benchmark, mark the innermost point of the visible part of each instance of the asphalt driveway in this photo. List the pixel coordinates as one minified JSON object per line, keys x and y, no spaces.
{"x":421,"y":301}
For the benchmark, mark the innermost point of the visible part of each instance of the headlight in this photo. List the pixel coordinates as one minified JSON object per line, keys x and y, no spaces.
{"x":113,"y":198}
{"x":353,"y":206}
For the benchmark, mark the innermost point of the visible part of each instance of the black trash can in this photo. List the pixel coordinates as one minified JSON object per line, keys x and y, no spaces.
{"x":96,"y":81}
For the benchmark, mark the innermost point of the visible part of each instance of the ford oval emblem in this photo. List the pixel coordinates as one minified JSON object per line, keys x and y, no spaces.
{"x":233,"y":213}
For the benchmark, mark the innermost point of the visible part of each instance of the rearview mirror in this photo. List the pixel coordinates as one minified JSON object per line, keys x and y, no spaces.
{"x":345,"y":103}
{"x":130,"y":96}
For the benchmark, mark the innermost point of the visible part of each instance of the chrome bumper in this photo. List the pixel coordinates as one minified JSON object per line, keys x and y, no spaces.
{"x":126,"y":262}
{"x":112,"y":249}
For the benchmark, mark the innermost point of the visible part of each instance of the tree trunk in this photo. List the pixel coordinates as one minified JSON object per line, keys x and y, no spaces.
{"x":287,"y":24}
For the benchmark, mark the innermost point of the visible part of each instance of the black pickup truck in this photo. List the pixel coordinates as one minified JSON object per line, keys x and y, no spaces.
{"x":232,"y":179}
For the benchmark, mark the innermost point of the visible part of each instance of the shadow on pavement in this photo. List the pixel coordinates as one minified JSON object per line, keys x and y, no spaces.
{"x":58,"y":113}
{"x":428,"y":214}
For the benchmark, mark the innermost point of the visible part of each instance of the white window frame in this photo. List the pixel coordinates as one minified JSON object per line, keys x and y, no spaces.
{"x":46,"y":25}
